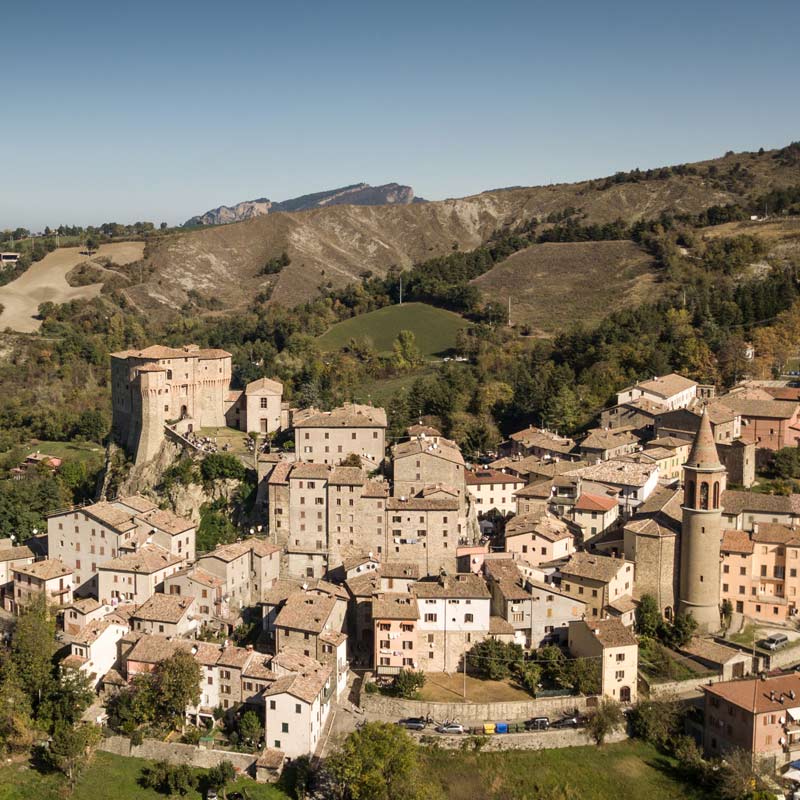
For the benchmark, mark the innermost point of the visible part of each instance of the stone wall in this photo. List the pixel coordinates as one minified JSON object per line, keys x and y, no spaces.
{"x":680,"y":687}
{"x":472,"y":713}
{"x":540,"y":740}
{"x":176,"y":753}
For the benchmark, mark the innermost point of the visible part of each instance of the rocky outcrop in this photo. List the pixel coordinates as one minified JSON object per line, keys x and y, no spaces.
{"x":358,"y":194}
{"x":186,"y":501}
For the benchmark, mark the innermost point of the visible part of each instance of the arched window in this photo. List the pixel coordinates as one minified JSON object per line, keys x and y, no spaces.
{"x":716,"y":494}
{"x":704,"y":495}
{"x":689,"y":499}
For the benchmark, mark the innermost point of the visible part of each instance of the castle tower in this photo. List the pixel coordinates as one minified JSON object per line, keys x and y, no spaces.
{"x":703,"y":484}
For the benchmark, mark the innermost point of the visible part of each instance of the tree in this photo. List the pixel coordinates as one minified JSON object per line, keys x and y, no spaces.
{"x":91,"y":244}
{"x":220,"y":776}
{"x":682,"y":629}
{"x":32,"y":648}
{"x":658,"y":721}
{"x":250,"y":728}
{"x":407,"y":683}
{"x":217,"y":466}
{"x":67,"y":698}
{"x":351,"y":460}
{"x":741,"y":776}
{"x":648,"y":616}
{"x":16,"y":722}
{"x":169,"y":779}
{"x":605,"y":720}
{"x":406,"y":353}
{"x":70,"y":747}
{"x":379,"y":761}
{"x":177,"y":679}
{"x":494,"y":659}
{"x":786,"y":463}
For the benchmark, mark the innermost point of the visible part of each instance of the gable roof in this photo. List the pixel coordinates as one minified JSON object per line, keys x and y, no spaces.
{"x":667,"y":385}
{"x":264,"y":386}
{"x":351,"y":415}
{"x":594,"y":567}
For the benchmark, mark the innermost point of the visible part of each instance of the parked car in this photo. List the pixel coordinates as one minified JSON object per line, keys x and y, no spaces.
{"x":775,"y":641}
{"x":450,"y":727}
{"x":569,"y":721}
{"x":537,"y":724}
{"x":414,"y":723}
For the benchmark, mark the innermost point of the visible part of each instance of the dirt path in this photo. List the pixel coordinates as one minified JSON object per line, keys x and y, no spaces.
{"x":46,"y":281}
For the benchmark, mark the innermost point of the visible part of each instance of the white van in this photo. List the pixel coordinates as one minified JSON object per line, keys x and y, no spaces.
{"x":775,"y":641}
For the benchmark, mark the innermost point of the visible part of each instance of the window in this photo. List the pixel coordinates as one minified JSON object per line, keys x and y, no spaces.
{"x":469,"y":618}
{"x":263,"y":402}
{"x":284,"y":727}
{"x":297,"y":708}
{"x":430,"y":618}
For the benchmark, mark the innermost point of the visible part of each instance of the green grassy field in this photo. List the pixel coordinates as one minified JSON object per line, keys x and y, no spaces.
{"x":72,"y":451}
{"x":108,"y":777}
{"x":633,"y":770}
{"x":434,"y":328}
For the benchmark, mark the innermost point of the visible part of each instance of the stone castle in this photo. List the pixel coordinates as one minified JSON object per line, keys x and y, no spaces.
{"x":187,"y":388}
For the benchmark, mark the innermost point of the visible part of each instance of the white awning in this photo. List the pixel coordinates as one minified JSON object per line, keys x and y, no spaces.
{"x":794,"y":713}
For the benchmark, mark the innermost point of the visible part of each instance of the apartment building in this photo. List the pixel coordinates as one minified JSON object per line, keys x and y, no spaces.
{"x":93,"y":651}
{"x":11,"y":557}
{"x":454,"y":614}
{"x":537,"y":538}
{"x":744,"y":510}
{"x":166,"y":614}
{"x":135,"y":576}
{"x":670,"y":391}
{"x":395,"y":617}
{"x":425,"y":462}
{"x":634,"y":480}
{"x":597,"y":580}
{"x":329,"y":437}
{"x":768,"y":424}
{"x":493,"y":490}
{"x":595,"y":513}
{"x":51,"y":578}
{"x":210,"y":607}
{"x":760,"y":571}
{"x":616,"y":648}
{"x":84,"y":538}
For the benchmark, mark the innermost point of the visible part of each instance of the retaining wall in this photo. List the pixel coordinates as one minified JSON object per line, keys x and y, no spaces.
{"x":541,"y":740}
{"x":176,"y":753}
{"x":473,"y":713}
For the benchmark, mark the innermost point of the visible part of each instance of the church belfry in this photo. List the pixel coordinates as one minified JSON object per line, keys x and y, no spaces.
{"x":701,"y":532}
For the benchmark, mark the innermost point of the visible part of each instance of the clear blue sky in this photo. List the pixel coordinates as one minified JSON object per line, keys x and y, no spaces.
{"x":158,"y":111}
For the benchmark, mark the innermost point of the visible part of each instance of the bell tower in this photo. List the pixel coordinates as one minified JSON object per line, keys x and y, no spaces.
{"x":704,"y":480}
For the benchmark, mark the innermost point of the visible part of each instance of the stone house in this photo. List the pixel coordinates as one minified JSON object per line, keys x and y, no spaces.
{"x":601,"y":444}
{"x":167,"y":614}
{"x":617,"y":649}
{"x":83,"y":612}
{"x":638,"y":415}
{"x":634,"y":480}
{"x":395,"y":618}
{"x":454,"y":614}
{"x":768,"y":424}
{"x":538,"y":538}
{"x":493,"y":490}
{"x":595,"y":513}
{"x":134,"y":577}
{"x":597,"y":580}
{"x":743,"y":510}
{"x":329,"y":437}
{"x":11,"y":557}
{"x":425,"y":462}
{"x":257,"y":409}
{"x":538,"y":442}
{"x":84,"y":538}
{"x":93,"y":651}
{"x":51,"y":578}
{"x":671,"y":391}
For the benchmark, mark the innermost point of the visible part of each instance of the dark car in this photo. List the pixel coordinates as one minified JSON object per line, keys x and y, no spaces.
{"x":414,"y":723}
{"x":537,"y":724}
{"x":569,"y":721}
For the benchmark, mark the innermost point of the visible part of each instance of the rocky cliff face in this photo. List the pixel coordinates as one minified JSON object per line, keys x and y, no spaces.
{"x":358,"y":194}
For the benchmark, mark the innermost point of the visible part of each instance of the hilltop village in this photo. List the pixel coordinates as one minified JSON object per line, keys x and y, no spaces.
{"x":377,"y":560}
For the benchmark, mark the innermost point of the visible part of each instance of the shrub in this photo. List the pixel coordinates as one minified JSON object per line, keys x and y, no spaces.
{"x":407,"y":683}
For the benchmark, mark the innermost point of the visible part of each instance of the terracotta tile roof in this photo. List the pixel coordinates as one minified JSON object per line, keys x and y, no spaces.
{"x":237,"y":657}
{"x":594,"y":567}
{"x":442,"y":448}
{"x":667,"y":385}
{"x":306,"y":612}
{"x":608,"y":439}
{"x":306,"y":686}
{"x":264,"y":386}
{"x":85,"y":606}
{"x":505,"y":574}
{"x":348,"y":416}
{"x":669,"y":442}
{"x":770,"y":695}
{"x":151,"y":648}
{"x":642,"y":404}
{"x":303,"y":470}
{"x":622,"y":605}
{"x":620,"y":473}
{"x":333,"y":637}
{"x":652,"y":526}
{"x":765,"y":409}
{"x":147,"y":559}
{"x":395,"y":605}
{"x":376,"y":489}
{"x":399,"y":569}
{"x":421,"y":504}
{"x":73,"y":661}
{"x":16,"y":553}
{"x":611,"y":632}
{"x":463,"y":584}
{"x":500,"y":627}
{"x":167,"y":522}
{"x":490,"y":476}
{"x":90,"y":633}
{"x":170,"y":608}
{"x":773,"y":533}
{"x":544,"y":525}
{"x":545,"y":440}
{"x":541,"y":489}
{"x":734,"y":541}
{"x":347,"y":476}
{"x":111,"y":515}
{"x":735,"y":502}
{"x":137,"y":503}
{"x":422,"y":430}
{"x":594,"y":502}
{"x":710,"y":650}
{"x":280,"y":473}
{"x":44,"y":570}
{"x":364,"y":585}
{"x":157,"y":351}
{"x":230,"y":552}
{"x":199,"y":575}
{"x":271,"y":758}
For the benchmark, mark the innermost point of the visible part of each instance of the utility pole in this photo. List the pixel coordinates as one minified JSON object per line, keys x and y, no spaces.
{"x":465,"y":672}
{"x":509,"y":311}
{"x":401,"y":290}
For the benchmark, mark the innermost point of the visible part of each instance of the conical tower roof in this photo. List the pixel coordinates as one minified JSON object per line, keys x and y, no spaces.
{"x":704,"y":454}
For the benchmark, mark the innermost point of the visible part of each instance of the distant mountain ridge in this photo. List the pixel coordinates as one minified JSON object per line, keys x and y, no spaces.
{"x":357,"y":194}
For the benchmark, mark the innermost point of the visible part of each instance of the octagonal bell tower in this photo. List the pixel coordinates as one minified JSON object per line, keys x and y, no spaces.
{"x":704,"y":480}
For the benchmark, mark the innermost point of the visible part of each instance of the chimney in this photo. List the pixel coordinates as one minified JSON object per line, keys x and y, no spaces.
{"x":771,"y":694}
{"x":755,"y":527}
